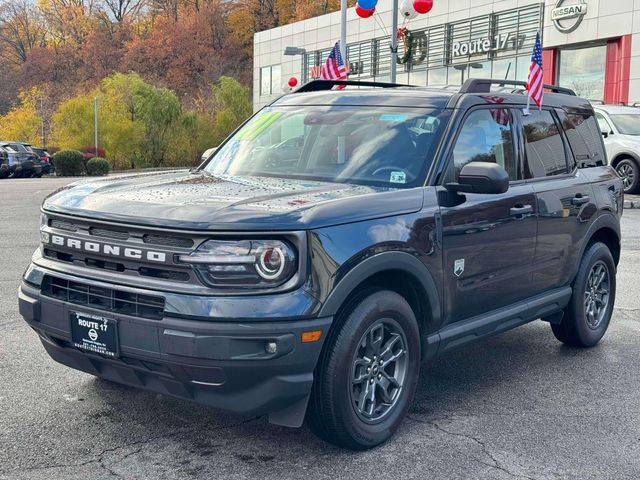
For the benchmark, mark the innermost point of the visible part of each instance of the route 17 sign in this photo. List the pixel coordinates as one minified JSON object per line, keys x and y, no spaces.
{"x":567,"y":16}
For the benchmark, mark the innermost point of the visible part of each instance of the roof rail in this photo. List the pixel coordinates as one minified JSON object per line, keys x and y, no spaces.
{"x":320,"y":85}
{"x":481,"y":85}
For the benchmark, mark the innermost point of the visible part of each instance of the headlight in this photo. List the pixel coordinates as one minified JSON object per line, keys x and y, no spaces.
{"x":243,"y":263}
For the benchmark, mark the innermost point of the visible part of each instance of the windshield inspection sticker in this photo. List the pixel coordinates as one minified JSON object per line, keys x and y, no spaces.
{"x":398,"y":177}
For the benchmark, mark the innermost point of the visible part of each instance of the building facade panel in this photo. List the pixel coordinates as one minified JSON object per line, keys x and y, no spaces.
{"x":592,"y":46}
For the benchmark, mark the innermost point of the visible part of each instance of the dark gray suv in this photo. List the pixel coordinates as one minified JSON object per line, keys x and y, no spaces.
{"x":331,"y":245}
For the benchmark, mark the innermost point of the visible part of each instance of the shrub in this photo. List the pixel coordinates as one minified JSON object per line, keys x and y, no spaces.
{"x":97,"y":166}
{"x":68,"y":163}
{"x":90,"y":152}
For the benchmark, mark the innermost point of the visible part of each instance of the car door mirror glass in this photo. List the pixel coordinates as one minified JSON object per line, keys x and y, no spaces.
{"x":481,"y":177}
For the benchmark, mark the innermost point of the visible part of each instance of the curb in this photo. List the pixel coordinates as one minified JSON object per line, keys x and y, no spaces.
{"x":631,"y":201}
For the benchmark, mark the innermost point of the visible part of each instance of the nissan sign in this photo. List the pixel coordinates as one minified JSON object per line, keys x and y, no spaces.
{"x":567,"y":16}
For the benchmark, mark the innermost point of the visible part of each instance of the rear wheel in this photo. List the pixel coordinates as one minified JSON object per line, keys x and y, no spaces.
{"x":628,"y":170}
{"x":368,"y":372}
{"x":588,"y":314}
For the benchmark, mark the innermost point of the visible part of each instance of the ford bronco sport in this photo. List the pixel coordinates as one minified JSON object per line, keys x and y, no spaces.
{"x":332,"y":243}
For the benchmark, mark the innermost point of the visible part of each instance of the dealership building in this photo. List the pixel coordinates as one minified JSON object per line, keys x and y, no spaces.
{"x":591,"y":46}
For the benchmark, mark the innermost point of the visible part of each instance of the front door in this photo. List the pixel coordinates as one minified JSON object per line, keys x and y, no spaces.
{"x":488,"y":240}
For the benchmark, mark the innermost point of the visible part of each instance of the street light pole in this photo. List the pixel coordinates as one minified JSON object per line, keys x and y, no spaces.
{"x":44,"y":141}
{"x":95,"y":121}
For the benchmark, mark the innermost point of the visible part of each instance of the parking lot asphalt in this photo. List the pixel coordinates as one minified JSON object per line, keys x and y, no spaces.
{"x":519,"y":405}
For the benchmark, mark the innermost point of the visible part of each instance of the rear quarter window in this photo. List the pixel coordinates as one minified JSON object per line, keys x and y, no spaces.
{"x":585,"y":139}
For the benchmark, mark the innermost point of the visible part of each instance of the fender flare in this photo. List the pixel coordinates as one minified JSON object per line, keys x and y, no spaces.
{"x":379,"y":263}
{"x":605,"y":220}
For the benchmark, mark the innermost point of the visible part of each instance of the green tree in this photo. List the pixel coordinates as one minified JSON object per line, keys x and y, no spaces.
{"x":194,"y":134}
{"x":233,"y":106}
{"x":120,"y":134}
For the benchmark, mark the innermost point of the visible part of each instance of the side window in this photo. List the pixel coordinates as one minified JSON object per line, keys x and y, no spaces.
{"x":545,"y":150}
{"x":486,"y":136}
{"x":584,"y":137}
{"x":603,"y":123}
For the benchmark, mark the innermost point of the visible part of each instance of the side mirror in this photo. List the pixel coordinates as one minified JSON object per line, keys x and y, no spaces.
{"x":481,"y":177}
{"x":605,"y":134}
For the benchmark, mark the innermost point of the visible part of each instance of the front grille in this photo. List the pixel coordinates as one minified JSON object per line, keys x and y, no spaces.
{"x":109,"y":233}
{"x":63,"y":225}
{"x":167,"y":241}
{"x":108,"y":299}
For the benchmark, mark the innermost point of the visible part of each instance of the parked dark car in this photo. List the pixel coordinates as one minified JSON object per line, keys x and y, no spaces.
{"x":335,"y":242}
{"x":27,"y":163}
{"x":14,"y":163}
{"x":45,"y":159}
{"x":5,"y":169}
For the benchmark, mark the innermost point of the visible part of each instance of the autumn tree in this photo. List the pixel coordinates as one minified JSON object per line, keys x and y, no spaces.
{"x":23,"y":122}
{"x":21,"y":30}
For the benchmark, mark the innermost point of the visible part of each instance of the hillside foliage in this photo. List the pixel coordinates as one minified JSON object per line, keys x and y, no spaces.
{"x":172,"y":77}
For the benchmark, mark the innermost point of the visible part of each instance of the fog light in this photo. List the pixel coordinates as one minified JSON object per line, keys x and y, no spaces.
{"x":272,"y":347}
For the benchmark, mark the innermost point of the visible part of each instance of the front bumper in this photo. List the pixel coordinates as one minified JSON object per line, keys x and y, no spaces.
{"x":223,"y":364}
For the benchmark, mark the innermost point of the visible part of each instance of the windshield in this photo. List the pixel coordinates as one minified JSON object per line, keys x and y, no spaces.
{"x":627,"y":124}
{"x":351,"y":144}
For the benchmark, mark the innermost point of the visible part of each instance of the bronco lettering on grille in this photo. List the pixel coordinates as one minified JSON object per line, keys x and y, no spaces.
{"x":109,"y":250}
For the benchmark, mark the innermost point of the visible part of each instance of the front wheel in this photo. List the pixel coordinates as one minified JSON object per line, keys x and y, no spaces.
{"x":588,"y":314}
{"x":628,"y":170}
{"x":367,"y":375}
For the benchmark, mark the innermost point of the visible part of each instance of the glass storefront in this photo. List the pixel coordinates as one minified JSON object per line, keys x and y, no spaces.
{"x":582,"y":69}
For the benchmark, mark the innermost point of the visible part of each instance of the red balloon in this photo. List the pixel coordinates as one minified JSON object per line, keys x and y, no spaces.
{"x":363,"y":13}
{"x":422,"y":6}
{"x":293,"y":81}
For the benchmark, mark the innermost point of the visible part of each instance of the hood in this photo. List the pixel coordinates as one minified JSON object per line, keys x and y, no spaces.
{"x":199,"y":201}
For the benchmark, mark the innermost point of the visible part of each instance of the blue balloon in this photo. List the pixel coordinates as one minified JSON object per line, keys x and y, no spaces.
{"x":367,"y":4}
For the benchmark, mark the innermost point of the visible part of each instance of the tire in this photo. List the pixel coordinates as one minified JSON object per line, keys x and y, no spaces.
{"x":341,"y":411}
{"x":581,"y":325}
{"x":628,"y":170}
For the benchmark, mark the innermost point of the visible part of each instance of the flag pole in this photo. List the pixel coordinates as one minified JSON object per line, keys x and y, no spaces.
{"x":343,"y":30}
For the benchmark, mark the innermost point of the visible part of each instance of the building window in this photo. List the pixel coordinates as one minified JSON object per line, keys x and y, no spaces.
{"x":582,"y":70}
{"x":270,"y":79}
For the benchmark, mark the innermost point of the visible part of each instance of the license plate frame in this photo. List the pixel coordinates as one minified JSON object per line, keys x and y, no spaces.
{"x":95,"y":334}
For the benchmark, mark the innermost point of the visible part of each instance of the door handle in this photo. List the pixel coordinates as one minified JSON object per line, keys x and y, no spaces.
{"x":580,"y":199}
{"x":518,"y":210}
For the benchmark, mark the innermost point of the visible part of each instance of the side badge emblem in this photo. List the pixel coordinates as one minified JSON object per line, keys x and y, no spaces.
{"x":458,"y":267}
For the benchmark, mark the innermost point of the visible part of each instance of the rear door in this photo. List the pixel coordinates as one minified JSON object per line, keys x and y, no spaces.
{"x":488,"y":240}
{"x":565,"y":199}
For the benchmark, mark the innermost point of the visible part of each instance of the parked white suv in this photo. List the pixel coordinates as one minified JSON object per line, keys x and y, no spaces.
{"x":620,"y":127}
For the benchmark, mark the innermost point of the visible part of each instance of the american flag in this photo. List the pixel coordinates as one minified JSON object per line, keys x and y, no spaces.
{"x":500,"y":115}
{"x":334,"y":68}
{"x":315,"y":71}
{"x":534,"y":83}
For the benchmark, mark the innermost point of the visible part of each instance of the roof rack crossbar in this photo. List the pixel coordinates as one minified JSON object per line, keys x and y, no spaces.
{"x":320,"y":85}
{"x":481,"y":85}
